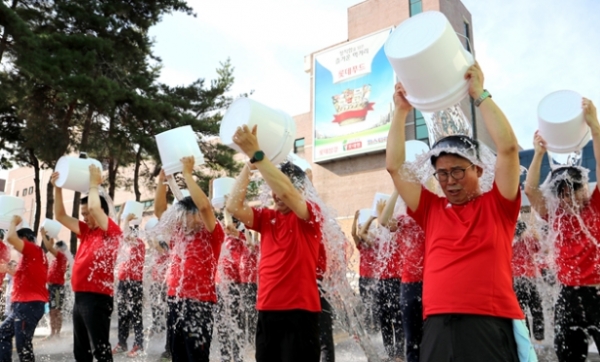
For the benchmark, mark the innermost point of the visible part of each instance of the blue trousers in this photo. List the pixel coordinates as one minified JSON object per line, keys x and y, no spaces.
{"x":21,"y":324}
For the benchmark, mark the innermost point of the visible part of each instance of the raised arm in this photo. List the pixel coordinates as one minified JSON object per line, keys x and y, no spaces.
{"x":12,"y":236}
{"x":236,"y":205}
{"x":507,"y":172}
{"x":354,"y":231}
{"x":94,"y":205}
{"x":48,"y":242}
{"x":60,"y":214}
{"x":532,"y":182}
{"x":591,"y":118}
{"x":198,"y":196}
{"x":395,"y":152}
{"x":279,"y":182}
{"x":385,"y":216}
{"x":160,"y":197}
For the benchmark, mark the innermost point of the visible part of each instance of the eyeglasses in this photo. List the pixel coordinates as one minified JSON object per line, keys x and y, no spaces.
{"x":456,"y":173}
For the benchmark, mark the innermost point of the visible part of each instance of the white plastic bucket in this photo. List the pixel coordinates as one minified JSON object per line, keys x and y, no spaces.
{"x":429,"y":61}
{"x":276,"y":129}
{"x":414,"y":148}
{"x":74,"y":173}
{"x":9,"y":207}
{"x":52,"y":227}
{"x":133,"y":207}
{"x":561,"y":122}
{"x":221,"y":188}
{"x":299,"y":161}
{"x":175,"y":144}
{"x":378,"y":196}
{"x":363,"y":216}
{"x":150,"y":224}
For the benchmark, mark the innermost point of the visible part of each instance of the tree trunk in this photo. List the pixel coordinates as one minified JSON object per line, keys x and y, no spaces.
{"x":38,"y":197}
{"x":136,"y":174}
{"x":113,"y":168}
{"x":49,"y":200}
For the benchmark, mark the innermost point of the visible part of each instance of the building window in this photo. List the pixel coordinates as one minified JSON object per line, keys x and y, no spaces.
{"x":416,"y":7}
{"x":17,"y":194}
{"x":299,"y":145}
{"x":421,"y":132}
{"x":30,"y":192}
{"x":148,"y":204}
{"x":24,"y":192}
{"x":468,"y":35}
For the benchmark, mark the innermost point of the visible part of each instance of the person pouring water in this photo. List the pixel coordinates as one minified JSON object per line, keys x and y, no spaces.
{"x":574,"y":214}
{"x":468,"y":297}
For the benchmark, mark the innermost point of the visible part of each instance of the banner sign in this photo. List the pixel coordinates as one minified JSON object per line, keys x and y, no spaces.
{"x":352,"y":93}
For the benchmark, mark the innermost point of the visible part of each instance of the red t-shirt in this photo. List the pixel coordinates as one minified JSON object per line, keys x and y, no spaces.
{"x":133,"y":267}
{"x":249,"y":265}
{"x":321,"y":262}
{"x":94,"y":266}
{"x":523,"y":262}
{"x":4,"y":257}
{"x":31,"y":275}
{"x":287,"y":274}
{"x":390,"y":256}
{"x":412,"y":245}
{"x":194,"y":259}
{"x":57,"y":270}
{"x":368,"y":260}
{"x":468,"y":254}
{"x":159,"y":268}
{"x":578,"y":255}
{"x":231,"y":258}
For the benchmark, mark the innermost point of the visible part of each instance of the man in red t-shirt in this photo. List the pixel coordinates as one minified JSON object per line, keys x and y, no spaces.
{"x":288,"y":298}
{"x":130,"y":291}
{"x":525,"y":248}
{"x":56,"y":281}
{"x":93,"y":274}
{"x":4,"y":259}
{"x":574,"y":215}
{"x":195,"y":249}
{"x":29,"y":294}
{"x":468,"y":299}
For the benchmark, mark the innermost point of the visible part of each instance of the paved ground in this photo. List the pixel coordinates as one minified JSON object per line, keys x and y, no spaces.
{"x":347,"y":350}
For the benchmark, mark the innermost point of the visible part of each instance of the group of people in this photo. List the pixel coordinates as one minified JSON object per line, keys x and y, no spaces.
{"x":446,"y":280}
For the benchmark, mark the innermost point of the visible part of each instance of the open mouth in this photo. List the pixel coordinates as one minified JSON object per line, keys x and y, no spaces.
{"x":453,"y":192}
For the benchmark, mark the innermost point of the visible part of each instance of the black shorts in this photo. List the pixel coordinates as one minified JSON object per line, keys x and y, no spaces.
{"x":57,"y":296}
{"x":468,"y":338}
{"x":288,"y":336}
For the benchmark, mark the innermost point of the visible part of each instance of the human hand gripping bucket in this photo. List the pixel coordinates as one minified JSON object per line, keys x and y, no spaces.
{"x":9,"y":207}
{"x":429,"y":61}
{"x":74,"y":173}
{"x":379,"y":196}
{"x":276,"y":129}
{"x":175,"y":144}
{"x":221,"y":187}
{"x":52,"y":227}
{"x":561,"y":122}
{"x":133,"y":207}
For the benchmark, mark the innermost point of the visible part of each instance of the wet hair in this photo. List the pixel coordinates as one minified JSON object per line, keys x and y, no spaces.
{"x":566,"y":178}
{"x":294,"y":173}
{"x":60,"y":244}
{"x":188,"y":205}
{"x":103,"y":203}
{"x":27,"y":234}
{"x":520,"y":228}
{"x":468,"y":148}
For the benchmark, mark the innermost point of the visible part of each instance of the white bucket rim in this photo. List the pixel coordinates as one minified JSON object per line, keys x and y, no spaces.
{"x":571,"y":148}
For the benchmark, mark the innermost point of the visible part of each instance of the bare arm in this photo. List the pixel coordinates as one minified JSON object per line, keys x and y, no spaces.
{"x":198,"y":196}
{"x":12,"y":236}
{"x":395,"y":154}
{"x":279,"y":183}
{"x":385,"y":216}
{"x":532,"y":182}
{"x":94,"y":205}
{"x":8,"y":268}
{"x":60,"y":213}
{"x":591,"y":118}
{"x":236,"y":205}
{"x":160,"y":197}
{"x":48,"y":242}
{"x":354,"y":229}
{"x":507,"y":170}
{"x":364,"y":230}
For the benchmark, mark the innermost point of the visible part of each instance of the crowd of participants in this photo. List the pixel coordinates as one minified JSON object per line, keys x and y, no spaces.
{"x":447,"y":277}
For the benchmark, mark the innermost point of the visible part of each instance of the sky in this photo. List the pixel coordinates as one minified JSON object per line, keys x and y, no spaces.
{"x":526,"y":49}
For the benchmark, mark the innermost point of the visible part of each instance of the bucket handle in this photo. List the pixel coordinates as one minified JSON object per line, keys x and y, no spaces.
{"x":468,"y":42}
